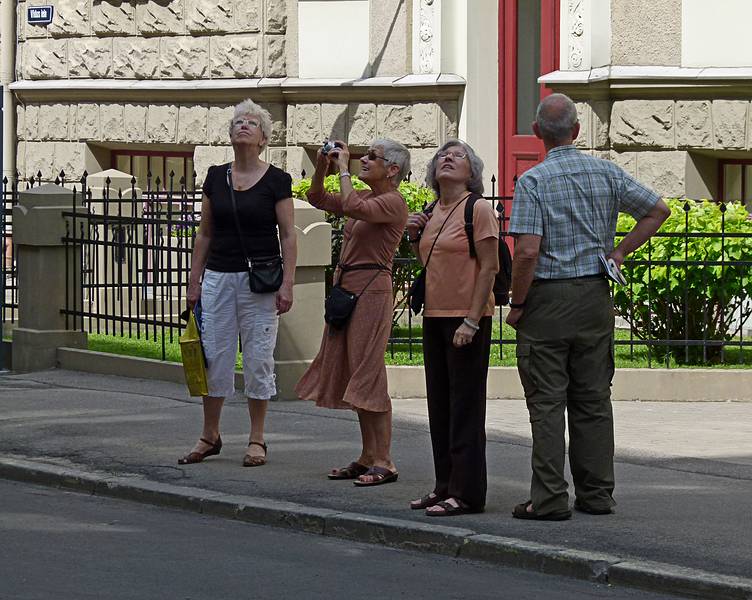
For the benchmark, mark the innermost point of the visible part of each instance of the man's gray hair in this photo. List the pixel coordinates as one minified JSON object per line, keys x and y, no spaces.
{"x":556,"y":116}
{"x":396,"y":154}
{"x":474,"y":184}
{"x":249,"y":107}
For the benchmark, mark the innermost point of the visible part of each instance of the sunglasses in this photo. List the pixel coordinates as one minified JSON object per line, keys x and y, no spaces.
{"x":371,"y":154}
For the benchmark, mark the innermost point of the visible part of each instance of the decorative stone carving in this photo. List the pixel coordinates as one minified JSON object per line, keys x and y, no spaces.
{"x":424,"y":123}
{"x":247,"y":15}
{"x":205,"y":16}
{"x":184,"y":57}
{"x":395,"y":121}
{"x":426,"y":52}
{"x":274,"y":56}
{"x":276,"y":16}
{"x":160,"y":17}
{"x":694,"y":124}
{"x":192,"y":124}
{"x":576,"y":31}
{"x":54,"y":122}
{"x":219,"y":123}
{"x":161,"y":123}
{"x":664,"y":172}
{"x":135,"y":122}
{"x":45,"y":59}
{"x":307,"y":124}
{"x":87,"y":122}
{"x":70,"y":18}
{"x":362,"y":126}
{"x":135,"y":58}
{"x":333,"y":121}
{"x":113,"y":18}
{"x":113,"y":122}
{"x":235,"y":56}
{"x":643,"y":123}
{"x":90,"y":58}
{"x":730,"y":123}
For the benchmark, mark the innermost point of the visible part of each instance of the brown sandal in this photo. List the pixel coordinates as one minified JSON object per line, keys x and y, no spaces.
{"x":196,"y":457}
{"x":255,"y":461}
{"x":351,"y":471}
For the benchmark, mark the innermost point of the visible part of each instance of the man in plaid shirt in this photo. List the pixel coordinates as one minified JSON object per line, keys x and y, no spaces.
{"x":564,"y":220}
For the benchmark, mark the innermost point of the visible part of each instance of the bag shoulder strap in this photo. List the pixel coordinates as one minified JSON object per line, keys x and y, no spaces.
{"x":469,"y":207}
{"x":436,"y":239}
{"x":235,"y":216}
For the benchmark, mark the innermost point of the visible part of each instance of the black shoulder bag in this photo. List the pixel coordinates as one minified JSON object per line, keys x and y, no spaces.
{"x":418,"y":288}
{"x":340,"y":303}
{"x":265,"y":273}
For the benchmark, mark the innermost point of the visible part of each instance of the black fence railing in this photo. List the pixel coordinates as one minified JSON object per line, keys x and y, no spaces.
{"x":688,"y":298}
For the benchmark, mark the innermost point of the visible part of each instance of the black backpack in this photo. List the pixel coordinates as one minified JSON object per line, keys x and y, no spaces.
{"x":503,"y":279}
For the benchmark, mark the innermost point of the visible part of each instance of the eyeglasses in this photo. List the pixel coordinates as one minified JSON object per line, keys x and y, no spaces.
{"x":251,"y":123}
{"x":371,"y":154}
{"x":455,"y":155}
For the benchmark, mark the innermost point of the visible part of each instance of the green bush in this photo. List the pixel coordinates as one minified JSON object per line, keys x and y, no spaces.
{"x":416,"y":197}
{"x":675,"y":298}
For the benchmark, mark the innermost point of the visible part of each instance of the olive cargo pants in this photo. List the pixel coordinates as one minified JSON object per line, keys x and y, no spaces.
{"x":565,"y":361}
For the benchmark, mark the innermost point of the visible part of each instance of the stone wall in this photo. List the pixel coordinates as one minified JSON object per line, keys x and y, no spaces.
{"x":646,"y":32}
{"x":651,"y":138}
{"x":154,"y":39}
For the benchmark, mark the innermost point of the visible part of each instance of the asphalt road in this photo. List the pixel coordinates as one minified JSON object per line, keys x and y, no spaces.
{"x":60,"y":545}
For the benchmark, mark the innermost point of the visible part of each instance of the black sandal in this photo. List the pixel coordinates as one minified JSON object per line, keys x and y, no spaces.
{"x":431,"y":499}
{"x":196,"y":457}
{"x":255,"y":461}
{"x":450,"y":510}
{"x":351,"y":471}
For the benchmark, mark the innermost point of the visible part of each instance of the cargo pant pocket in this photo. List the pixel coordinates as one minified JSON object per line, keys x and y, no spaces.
{"x":526,"y":369}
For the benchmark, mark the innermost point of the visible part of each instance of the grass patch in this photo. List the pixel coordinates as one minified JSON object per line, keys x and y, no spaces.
{"x":399,"y":354}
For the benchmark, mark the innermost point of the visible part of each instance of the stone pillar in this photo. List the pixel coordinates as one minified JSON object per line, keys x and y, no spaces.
{"x":38,"y":228}
{"x":300,"y":329}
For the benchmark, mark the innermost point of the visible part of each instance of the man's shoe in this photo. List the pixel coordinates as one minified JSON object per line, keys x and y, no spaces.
{"x":579,"y":506}
{"x":521,"y":512}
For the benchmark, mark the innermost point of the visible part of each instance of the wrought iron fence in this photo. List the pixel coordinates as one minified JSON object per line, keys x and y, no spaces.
{"x":683,"y":303}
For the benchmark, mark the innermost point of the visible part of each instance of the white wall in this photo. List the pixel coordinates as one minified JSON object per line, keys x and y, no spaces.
{"x":333,"y":38}
{"x":716,"y":33}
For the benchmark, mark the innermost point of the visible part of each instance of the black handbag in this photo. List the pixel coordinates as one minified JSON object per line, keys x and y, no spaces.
{"x":340,"y":303}
{"x":417,"y":293}
{"x":265,"y":273}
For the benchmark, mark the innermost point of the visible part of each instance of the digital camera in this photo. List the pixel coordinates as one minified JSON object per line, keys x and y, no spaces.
{"x":329,"y":146}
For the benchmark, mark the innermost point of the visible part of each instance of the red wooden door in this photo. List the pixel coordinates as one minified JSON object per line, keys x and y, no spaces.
{"x":528,"y":48}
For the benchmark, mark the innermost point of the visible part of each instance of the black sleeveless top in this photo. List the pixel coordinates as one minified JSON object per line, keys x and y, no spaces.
{"x":256,"y":213}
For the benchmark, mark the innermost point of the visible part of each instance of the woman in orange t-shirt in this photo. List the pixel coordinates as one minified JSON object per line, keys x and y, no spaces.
{"x":459,"y":304}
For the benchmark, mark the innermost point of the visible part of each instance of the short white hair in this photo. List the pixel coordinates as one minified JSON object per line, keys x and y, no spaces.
{"x":556,"y":117}
{"x":396,"y":154}
{"x":249,"y":107}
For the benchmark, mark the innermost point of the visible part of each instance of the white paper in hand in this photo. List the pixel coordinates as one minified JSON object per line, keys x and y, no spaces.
{"x":612,"y":270}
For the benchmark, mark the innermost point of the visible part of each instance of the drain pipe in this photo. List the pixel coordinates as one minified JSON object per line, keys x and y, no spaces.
{"x":7,"y":76}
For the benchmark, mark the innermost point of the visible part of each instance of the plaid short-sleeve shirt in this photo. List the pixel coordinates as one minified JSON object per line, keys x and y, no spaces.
{"x":572,"y":200}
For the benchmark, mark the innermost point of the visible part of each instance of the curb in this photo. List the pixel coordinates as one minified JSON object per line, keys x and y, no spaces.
{"x":397,"y":533}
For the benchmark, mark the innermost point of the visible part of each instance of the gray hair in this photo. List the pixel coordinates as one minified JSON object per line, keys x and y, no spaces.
{"x":474,"y":184}
{"x":556,"y":116}
{"x":249,"y":107}
{"x":396,"y":154}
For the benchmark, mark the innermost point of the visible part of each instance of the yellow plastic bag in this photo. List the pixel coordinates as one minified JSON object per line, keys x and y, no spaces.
{"x":194,"y":364}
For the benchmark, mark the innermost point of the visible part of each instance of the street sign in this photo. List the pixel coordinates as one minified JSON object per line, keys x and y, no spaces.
{"x":39,"y":15}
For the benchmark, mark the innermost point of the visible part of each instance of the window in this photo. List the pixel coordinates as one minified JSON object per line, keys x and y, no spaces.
{"x":140,"y":163}
{"x":736,"y":181}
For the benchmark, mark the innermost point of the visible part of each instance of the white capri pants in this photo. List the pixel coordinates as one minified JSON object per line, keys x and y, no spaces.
{"x":228,"y":307}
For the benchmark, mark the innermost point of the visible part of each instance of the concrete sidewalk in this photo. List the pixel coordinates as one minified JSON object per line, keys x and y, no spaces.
{"x":684,"y":471}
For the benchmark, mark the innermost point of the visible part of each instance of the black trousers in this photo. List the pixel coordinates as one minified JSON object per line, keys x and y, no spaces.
{"x":456,"y":391}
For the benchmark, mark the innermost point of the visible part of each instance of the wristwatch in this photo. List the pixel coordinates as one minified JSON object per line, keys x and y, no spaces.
{"x":345,"y":174}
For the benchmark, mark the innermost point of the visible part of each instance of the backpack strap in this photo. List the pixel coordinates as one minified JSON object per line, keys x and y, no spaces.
{"x":469,"y":206}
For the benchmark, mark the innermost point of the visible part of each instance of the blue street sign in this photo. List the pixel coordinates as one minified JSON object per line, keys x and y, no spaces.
{"x":39,"y":15}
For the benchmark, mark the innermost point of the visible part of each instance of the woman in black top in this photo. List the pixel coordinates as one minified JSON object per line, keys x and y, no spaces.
{"x":219,"y":278}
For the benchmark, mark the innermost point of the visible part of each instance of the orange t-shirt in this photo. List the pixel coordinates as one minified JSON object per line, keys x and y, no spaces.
{"x":452,"y":272}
